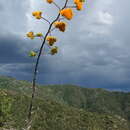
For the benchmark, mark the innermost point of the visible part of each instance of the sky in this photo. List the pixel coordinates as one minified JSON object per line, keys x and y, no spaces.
{"x":94,"y":51}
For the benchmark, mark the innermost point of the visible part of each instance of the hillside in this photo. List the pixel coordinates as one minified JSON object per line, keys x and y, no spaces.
{"x":63,"y":107}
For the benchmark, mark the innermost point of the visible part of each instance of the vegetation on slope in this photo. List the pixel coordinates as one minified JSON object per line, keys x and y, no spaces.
{"x":49,"y":115}
{"x":107,"y":104}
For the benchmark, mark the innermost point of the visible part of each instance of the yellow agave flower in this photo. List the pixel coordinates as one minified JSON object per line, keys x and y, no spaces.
{"x":30,"y":35}
{"x":60,"y":25}
{"x":79,"y":4}
{"x":54,"y":50}
{"x":37,"y":14}
{"x":32,"y":53}
{"x":67,"y":13}
{"x":39,"y":35}
{"x":51,"y":40}
{"x":49,"y":1}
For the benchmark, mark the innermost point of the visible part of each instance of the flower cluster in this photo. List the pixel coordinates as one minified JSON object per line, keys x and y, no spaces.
{"x":39,"y":35}
{"x":31,"y":35}
{"x":60,"y":25}
{"x":37,"y":14}
{"x":54,"y":50}
{"x":79,"y":4}
{"x":51,"y":40}
{"x":32,"y":53}
{"x":49,"y":1}
{"x":67,"y":13}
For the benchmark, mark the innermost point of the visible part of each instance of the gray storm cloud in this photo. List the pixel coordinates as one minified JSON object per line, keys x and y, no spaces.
{"x":94,"y":51}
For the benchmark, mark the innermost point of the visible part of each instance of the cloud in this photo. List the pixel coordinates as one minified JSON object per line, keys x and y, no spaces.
{"x":11,"y":49}
{"x":105,"y":18}
{"x":13,"y":17}
{"x":94,"y":50}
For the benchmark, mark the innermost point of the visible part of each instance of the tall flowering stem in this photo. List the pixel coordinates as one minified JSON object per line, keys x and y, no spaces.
{"x":37,"y":63}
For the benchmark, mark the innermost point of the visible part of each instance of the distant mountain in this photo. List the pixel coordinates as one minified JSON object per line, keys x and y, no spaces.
{"x":63,"y":107}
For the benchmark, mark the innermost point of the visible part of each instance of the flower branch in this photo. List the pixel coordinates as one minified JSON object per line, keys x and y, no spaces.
{"x":56,"y":5}
{"x":37,"y":62}
{"x":46,"y":20}
{"x":67,"y":13}
{"x":71,"y":6}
